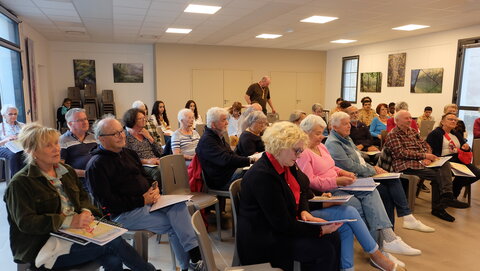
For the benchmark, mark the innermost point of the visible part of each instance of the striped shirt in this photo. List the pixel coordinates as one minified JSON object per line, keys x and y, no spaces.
{"x":186,"y":143}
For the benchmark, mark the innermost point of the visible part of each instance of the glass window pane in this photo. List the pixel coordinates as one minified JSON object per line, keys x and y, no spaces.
{"x":11,"y":91}
{"x":468,"y":117}
{"x":470,"y":84}
{"x":9,"y":29}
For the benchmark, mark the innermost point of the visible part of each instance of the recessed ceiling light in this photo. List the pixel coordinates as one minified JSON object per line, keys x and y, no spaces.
{"x":410,"y":27}
{"x":318,"y":19}
{"x":268,"y":36}
{"x":343,"y":41}
{"x":202,"y":9}
{"x":179,"y":30}
{"x":75,"y":32}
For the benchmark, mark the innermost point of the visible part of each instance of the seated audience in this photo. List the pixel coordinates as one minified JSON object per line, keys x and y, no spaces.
{"x":185,"y":139}
{"x":343,"y":106}
{"x":61,"y":111}
{"x":446,"y":141}
{"x":391,"y":109}
{"x":192,"y":105}
{"x":274,"y":195}
{"x":139,"y":140}
{"x":250,"y":141}
{"x":149,"y":125}
{"x":46,"y":196}
{"x":77,"y":143}
{"x":220,"y":165}
{"x":427,"y":115}
{"x":391,"y":121}
{"x":379,"y":123}
{"x":347,"y":157}
{"x":366,"y":114}
{"x":476,"y":128}
{"x":460,"y":128}
{"x":159,"y":117}
{"x":297,"y":116}
{"x":121,"y":185}
{"x":234,"y":113}
{"x":359,"y":132}
{"x":317,"y":109}
{"x":410,"y":154}
{"x":9,"y":130}
{"x":242,"y":125}
{"x":337,"y":108}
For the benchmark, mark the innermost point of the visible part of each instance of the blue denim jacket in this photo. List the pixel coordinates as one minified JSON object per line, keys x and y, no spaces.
{"x":343,"y":151}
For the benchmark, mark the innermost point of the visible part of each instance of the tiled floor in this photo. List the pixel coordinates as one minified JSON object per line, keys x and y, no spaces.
{"x":454,"y":246}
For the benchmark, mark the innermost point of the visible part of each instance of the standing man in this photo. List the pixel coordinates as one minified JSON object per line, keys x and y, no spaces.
{"x":260,"y":93}
{"x":77,"y":143}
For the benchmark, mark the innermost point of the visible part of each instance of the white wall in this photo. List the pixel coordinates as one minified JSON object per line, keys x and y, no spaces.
{"x":62,"y":55}
{"x":436,"y":50}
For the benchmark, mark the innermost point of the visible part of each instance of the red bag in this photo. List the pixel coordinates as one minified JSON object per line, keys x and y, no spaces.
{"x":465,"y":157}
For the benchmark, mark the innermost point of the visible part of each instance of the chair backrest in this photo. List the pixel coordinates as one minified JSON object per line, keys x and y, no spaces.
{"x":74,"y":93}
{"x":385,"y":160}
{"x":174,"y":174}
{"x":204,"y":241}
{"x":200,"y":128}
{"x":272,"y":117}
{"x":90,"y":91}
{"x":91,"y":111}
{"x":162,"y":135}
{"x":476,"y":152}
{"x":426,"y":126}
{"x":234,"y":190}
{"x":107,"y":96}
{"x":383,"y":134}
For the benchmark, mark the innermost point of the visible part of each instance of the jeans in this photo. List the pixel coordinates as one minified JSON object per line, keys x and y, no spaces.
{"x":441,"y":178}
{"x":370,"y":207}
{"x":393,"y":196}
{"x":346,"y":232}
{"x":112,"y":256}
{"x":15,"y":159}
{"x":173,"y":220}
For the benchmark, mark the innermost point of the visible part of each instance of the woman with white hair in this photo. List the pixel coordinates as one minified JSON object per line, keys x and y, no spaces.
{"x":242,"y":126}
{"x":391,"y":121}
{"x":9,"y":130}
{"x":297,"y":116}
{"x":185,"y":138}
{"x":325,"y":176}
{"x":250,"y":141}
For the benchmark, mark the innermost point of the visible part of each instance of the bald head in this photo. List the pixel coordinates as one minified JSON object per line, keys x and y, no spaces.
{"x":352,"y":111}
{"x":403,"y":119}
{"x":265,"y":81}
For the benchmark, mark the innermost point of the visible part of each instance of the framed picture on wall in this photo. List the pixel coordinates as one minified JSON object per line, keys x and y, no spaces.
{"x":127,"y":72}
{"x":371,"y":82}
{"x":396,"y":70}
{"x":84,"y":71}
{"x":426,"y":81}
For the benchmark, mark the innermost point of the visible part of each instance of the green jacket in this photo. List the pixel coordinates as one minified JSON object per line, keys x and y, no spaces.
{"x":33,"y":207}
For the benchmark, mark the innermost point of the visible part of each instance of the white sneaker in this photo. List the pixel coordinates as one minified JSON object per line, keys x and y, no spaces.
{"x":399,"y":247}
{"x":417,"y":225}
{"x":393,"y":259}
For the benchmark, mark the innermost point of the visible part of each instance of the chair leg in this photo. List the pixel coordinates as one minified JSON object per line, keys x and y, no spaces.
{"x":419,"y":187}
{"x":219,"y":224}
{"x":468,"y":193}
{"x":412,"y":189}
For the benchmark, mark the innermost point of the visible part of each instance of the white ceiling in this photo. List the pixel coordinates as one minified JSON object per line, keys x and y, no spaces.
{"x":239,"y":21}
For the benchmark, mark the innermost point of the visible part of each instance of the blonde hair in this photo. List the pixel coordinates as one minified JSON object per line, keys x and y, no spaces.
{"x":34,"y":136}
{"x":282,"y":135}
{"x":446,"y":107}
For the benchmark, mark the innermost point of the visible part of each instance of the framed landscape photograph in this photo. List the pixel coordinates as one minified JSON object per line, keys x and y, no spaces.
{"x":371,"y":82}
{"x":427,"y":81}
{"x":127,"y":73}
{"x":84,"y":72}
{"x":396,"y":70}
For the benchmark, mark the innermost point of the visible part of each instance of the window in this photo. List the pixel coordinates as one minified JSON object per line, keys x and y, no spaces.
{"x":467,"y":83}
{"x":11,"y":90}
{"x":350,"y":78}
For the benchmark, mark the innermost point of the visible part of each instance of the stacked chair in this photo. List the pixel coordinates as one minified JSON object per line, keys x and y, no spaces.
{"x":108,"y":104}
{"x":74,"y":95}
{"x":91,"y":104}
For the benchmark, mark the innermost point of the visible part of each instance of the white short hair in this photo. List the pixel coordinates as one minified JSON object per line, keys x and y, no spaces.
{"x":397,"y":115}
{"x":71,"y":112}
{"x":310,"y":122}
{"x":254,"y":117}
{"x":214,"y":114}
{"x":5,"y":108}
{"x":401,"y":106}
{"x":182,"y":114}
{"x":138,"y":104}
{"x":337,"y":118}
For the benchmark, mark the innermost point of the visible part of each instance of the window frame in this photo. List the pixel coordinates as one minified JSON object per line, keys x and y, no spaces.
{"x":342,"y":89}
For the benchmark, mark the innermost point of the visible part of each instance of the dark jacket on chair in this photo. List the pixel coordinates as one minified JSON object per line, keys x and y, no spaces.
{"x":267,"y":219}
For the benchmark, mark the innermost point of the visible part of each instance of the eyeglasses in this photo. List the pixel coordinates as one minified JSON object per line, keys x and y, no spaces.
{"x":116,"y":134}
{"x":298,"y":151}
{"x":12,"y":114}
{"x":80,"y":120}
{"x":449,"y":119}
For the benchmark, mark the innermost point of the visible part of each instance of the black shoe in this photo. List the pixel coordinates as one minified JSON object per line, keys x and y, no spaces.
{"x":442,"y":214}
{"x":455,"y":203}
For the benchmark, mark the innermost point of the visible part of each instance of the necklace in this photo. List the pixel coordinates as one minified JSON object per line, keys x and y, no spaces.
{"x":315,"y":150}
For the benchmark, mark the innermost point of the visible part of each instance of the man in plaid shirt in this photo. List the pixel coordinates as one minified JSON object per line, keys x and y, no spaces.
{"x":411,"y":155}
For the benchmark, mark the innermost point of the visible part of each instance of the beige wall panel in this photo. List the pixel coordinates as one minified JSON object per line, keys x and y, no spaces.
{"x":309,"y":90}
{"x":235,"y":84}
{"x":283,"y":93}
{"x":207,"y":88}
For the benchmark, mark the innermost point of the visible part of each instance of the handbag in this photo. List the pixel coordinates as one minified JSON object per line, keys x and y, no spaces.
{"x":465,"y":157}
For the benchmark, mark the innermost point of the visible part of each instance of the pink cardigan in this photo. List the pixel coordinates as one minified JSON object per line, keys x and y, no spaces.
{"x":321,"y":170}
